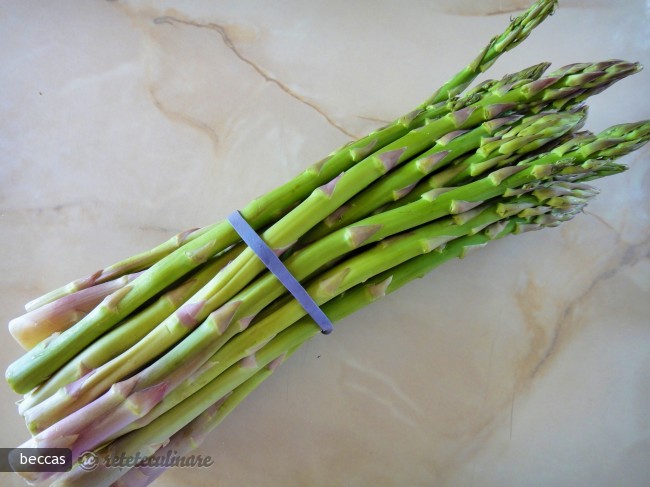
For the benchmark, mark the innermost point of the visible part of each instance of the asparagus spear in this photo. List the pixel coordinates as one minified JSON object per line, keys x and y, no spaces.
{"x":37,"y":325}
{"x":542,"y":167}
{"x":268,"y":208}
{"x":636,"y":134}
{"x":259,"y":213}
{"x":191,"y":436}
{"x":496,"y":143}
{"x":132,"y":264}
{"x":145,"y":393}
{"x":577,"y":153}
{"x":235,"y":317}
{"x":37,"y":365}
{"x":121,"y":338}
{"x":214,"y":333}
{"x":577,"y":161}
{"x":518,"y":30}
{"x":285,"y":341}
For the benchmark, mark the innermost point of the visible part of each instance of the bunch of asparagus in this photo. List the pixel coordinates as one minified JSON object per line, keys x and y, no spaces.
{"x":148,"y":355}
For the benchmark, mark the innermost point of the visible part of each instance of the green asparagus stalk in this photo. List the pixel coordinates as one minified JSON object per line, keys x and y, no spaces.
{"x":237,"y":315}
{"x":268,"y":208}
{"x":138,"y":371}
{"x":35,"y":367}
{"x":285,"y":341}
{"x":518,"y":30}
{"x":118,"y":340}
{"x":35,"y":326}
{"x":343,"y":305}
{"x":328,"y":285}
{"x":214,"y":333}
{"x":192,"y":435}
{"x":614,"y":142}
{"x":496,"y":144}
{"x":618,"y":148}
{"x":144,"y":391}
{"x":615,"y":148}
{"x":132,"y":264}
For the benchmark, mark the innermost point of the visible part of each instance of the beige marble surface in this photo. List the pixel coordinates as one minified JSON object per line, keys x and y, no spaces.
{"x":528,"y":363}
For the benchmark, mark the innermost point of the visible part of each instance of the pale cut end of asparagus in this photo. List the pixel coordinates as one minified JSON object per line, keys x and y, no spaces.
{"x":57,"y":316}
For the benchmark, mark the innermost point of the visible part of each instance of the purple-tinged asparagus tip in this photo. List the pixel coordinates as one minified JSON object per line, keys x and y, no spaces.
{"x":459,"y":206}
{"x":182,"y":237}
{"x":276,"y":362}
{"x":143,"y":401}
{"x":245,"y":322}
{"x":461,"y":116}
{"x":336,"y":215}
{"x":74,"y":286}
{"x":500,"y":175}
{"x":360,"y":153}
{"x":434,"y":243}
{"x":329,"y":286}
{"x":378,"y":290}
{"x":203,"y":253}
{"x":112,"y":301}
{"x":429,"y":163}
{"x":357,"y":236}
{"x":91,"y":279}
{"x":496,"y":109}
{"x":328,"y":188}
{"x":222,"y":317}
{"x":248,"y":362}
{"x":188,"y":313}
{"x":535,"y":87}
{"x":496,"y":229}
{"x":400,"y":193}
{"x":278,"y":251}
{"x":72,"y":389}
{"x":390,"y":158}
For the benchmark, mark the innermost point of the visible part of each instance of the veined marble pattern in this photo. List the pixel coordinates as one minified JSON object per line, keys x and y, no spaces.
{"x":527,"y":363}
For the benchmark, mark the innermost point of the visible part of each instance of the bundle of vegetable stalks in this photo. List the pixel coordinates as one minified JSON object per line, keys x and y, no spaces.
{"x":149,"y":354}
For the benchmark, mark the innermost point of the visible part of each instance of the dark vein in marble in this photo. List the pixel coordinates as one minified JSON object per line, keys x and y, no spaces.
{"x":219,"y":29}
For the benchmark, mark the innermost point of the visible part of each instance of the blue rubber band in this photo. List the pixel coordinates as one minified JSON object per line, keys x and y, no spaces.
{"x":275,"y":265}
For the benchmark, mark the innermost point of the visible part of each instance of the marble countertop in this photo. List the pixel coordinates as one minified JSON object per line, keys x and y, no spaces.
{"x":527,"y":363}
